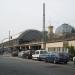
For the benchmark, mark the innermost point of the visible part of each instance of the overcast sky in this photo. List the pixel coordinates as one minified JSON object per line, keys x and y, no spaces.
{"x":20,"y":15}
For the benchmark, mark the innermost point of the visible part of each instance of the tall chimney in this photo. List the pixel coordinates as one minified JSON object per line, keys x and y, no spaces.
{"x":44,"y":34}
{"x":50,"y":29}
{"x":50,"y":32}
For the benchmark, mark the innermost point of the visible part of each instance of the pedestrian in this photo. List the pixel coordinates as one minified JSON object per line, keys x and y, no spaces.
{"x":74,"y":60}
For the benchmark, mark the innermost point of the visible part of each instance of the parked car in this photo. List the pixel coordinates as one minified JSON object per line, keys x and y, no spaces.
{"x":14,"y":53}
{"x":39,"y":54}
{"x":28,"y":54}
{"x":20,"y":54}
{"x":57,"y":58}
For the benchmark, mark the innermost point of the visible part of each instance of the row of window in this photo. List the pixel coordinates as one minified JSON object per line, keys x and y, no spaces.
{"x":59,"y":49}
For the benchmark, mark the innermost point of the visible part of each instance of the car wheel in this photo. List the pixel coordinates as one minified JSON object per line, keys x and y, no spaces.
{"x":46,"y":60}
{"x":32,"y":58}
{"x":54,"y":61}
{"x":39,"y":59}
{"x":74,"y":62}
{"x":65,"y":62}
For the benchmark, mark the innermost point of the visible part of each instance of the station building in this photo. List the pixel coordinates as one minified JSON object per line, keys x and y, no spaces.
{"x":33,"y":39}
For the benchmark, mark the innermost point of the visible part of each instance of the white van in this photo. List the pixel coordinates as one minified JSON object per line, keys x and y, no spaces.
{"x":38,"y":54}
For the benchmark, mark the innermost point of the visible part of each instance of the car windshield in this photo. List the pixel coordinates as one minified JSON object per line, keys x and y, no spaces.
{"x":62,"y":55}
{"x":43,"y":52}
{"x":37,"y":52}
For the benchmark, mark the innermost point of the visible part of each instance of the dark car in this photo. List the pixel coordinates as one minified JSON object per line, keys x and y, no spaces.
{"x":57,"y":58}
{"x":28,"y":54}
{"x":14,"y":53}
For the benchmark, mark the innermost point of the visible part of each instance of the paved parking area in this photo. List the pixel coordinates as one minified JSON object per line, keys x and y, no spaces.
{"x":19,"y":66}
{"x":69,"y":65}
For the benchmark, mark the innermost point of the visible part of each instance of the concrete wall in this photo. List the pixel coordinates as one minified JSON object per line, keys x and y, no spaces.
{"x":55,"y":44}
{"x":71,"y":43}
{"x":56,"y":47}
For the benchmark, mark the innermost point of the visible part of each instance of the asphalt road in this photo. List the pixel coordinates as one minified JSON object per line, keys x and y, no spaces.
{"x":18,"y":66}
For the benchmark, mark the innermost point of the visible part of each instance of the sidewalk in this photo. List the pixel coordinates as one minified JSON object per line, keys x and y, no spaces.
{"x":71,"y":63}
{"x":7,"y":55}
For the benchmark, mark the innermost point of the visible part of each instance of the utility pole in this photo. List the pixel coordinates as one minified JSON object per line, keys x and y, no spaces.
{"x":44,"y":33}
{"x":9,"y":37}
{"x":9,"y":42}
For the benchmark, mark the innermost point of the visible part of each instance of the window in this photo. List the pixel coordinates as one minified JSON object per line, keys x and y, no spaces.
{"x":43,"y":52}
{"x":52,"y":55}
{"x":37,"y":52}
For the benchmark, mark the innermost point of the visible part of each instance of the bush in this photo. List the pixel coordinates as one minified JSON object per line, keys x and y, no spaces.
{"x":71,"y":52}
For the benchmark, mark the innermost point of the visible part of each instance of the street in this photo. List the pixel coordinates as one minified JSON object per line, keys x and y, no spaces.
{"x":19,"y":66}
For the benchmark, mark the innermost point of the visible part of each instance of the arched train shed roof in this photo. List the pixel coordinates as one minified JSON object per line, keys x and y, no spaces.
{"x":30,"y":35}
